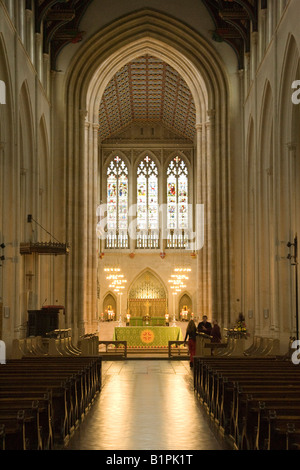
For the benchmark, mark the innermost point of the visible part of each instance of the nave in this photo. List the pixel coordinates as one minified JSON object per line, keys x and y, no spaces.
{"x":146,"y":405}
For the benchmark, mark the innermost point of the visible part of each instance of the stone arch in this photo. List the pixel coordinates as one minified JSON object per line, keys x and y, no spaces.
{"x":27,"y":200}
{"x":265,"y":210}
{"x":44,"y":173}
{"x":185,"y":301}
{"x":27,"y":163}
{"x":44,"y":203}
{"x":250,"y":213}
{"x":288,"y":176}
{"x":197,"y":62}
{"x":151,"y":273}
{"x":8,"y":192}
{"x":109,"y":300}
{"x":147,"y":294}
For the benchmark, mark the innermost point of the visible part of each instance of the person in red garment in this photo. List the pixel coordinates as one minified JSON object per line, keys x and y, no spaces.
{"x":215,"y":333}
{"x":191,"y":333}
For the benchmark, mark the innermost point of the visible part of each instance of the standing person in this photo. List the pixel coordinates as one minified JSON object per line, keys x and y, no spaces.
{"x":215,"y":333}
{"x":204,"y":326}
{"x":191,"y":333}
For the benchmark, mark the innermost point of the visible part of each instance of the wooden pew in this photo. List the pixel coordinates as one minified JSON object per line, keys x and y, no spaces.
{"x":224,"y":385}
{"x":2,"y":437}
{"x":71,"y":385}
{"x":14,"y":430}
{"x":36,"y":419}
{"x":257,"y":426}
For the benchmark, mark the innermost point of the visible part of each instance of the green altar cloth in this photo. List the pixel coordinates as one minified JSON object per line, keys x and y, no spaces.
{"x":147,"y":336}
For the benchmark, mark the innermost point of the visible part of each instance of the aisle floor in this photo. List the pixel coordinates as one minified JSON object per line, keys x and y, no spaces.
{"x":146,"y":405}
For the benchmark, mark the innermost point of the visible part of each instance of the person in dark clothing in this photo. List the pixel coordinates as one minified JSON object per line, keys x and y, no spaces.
{"x":191,"y":333}
{"x":204,"y":326}
{"x":215,"y":333}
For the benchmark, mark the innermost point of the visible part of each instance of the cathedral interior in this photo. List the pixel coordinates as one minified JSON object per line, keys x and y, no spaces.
{"x":149,"y":166}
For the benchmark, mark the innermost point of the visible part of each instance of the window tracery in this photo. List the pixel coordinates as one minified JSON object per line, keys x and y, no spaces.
{"x":147,"y":204}
{"x":117,"y":204}
{"x":177,"y":204}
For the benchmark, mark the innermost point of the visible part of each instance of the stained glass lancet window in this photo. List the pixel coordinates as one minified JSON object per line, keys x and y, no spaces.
{"x":117,"y":204}
{"x":147,"y":204}
{"x":177,"y":204}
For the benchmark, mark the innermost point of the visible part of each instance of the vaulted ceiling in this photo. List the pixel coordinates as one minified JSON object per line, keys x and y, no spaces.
{"x":146,"y":89}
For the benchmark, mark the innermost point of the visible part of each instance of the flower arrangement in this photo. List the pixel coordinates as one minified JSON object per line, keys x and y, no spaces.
{"x":240,"y":329}
{"x":240,"y":326}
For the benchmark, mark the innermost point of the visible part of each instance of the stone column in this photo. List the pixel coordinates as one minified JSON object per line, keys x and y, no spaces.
{"x":88,"y":319}
{"x":199,"y":200}
{"x":92,"y":223}
{"x":46,"y":72}
{"x":213,"y":233}
{"x":28,"y":38}
{"x":38,"y":55}
{"x":254,"y":61}
{"x":292,"y":152}
{"x":80,"y":237}
{"x":262,"y":33}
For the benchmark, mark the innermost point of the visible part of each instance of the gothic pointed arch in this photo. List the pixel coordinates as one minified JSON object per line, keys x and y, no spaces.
{"x":99,"y":59}
{"x":288,"y":167}
{"x":110,"y":306}
{"x":27,"y":162}
{"x":185,"y":306}
{"x":44,"y":203}
{"x":147,"y":295}
{"x":8,"y":167}
{"x":265,"y":207}
{"x":250,"y":214}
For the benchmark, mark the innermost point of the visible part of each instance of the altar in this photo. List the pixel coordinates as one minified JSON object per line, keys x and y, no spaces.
{"x":147,"y":336}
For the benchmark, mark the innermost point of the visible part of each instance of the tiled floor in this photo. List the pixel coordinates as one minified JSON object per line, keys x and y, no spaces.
{"x":146,"y":405}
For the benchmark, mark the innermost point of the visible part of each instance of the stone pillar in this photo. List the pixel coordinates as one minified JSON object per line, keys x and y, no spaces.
{"x":38,"y":55}
{"x":87,"y":223}
{"x":292,"y":152}
{"x":213,"y":219}
{"x":29,"y":33}
{"x":200,"y":291}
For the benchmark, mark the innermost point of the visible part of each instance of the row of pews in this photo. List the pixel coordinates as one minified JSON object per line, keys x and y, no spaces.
{"x":44,"y":399}
{"x":254,"y":401}
{"x":56,"y":343}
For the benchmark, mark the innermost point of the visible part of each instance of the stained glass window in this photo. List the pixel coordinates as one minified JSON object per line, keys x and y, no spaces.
{"x":147,"y":204}
{"x":177,"y":203}
{"x":117,"y":204}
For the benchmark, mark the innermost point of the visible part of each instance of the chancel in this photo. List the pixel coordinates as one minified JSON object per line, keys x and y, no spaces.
{"x":149,"y":178}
